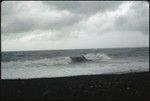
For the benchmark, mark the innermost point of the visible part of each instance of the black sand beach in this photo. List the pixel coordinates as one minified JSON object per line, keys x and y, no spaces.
{"x":133,"y":86}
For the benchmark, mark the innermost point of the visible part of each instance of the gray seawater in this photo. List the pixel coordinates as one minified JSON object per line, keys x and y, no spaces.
{"x":57,"y":63}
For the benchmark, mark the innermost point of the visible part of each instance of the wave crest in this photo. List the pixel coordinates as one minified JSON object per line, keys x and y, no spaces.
{"x":97,"y":56}
{"x":56,"y":61}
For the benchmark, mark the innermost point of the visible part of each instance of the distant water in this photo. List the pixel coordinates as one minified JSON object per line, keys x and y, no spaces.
{"x":57,"y":63}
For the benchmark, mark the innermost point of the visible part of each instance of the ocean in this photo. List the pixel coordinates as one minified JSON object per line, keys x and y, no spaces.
{"x":58,"y":63}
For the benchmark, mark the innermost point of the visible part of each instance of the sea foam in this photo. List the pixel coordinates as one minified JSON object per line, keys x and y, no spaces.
{"x":61,"y":66}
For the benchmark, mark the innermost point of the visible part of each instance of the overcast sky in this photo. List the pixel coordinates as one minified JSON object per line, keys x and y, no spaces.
{"x":49,"y":25}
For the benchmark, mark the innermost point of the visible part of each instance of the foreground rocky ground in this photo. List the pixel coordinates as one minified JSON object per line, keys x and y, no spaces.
{"x":133,"y":86}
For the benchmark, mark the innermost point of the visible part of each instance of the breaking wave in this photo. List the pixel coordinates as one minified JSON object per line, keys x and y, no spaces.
{"x":55,"y":61}
{"x":97,"y":56}
{"x":62,"y":66}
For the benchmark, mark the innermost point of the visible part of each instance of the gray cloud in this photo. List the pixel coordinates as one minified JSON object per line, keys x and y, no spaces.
{"x":86,"y":22}
{"x":84,"y":7}
{"x":8,"y":8}
{"x":31,"y":20}
{"x":18,"y":26}
{"x":29,"y":24}
{"x":76,"y":9}
{"x":137,"y":19}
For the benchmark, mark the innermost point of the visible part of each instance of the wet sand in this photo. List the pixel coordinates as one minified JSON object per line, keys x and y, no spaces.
{"x":133,"y":86}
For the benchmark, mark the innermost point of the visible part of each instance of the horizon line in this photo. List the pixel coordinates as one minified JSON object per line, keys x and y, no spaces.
{"x":73,"y":49}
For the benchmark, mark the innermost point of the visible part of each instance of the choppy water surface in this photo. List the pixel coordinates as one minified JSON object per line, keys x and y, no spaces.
{"x":57,"y":63}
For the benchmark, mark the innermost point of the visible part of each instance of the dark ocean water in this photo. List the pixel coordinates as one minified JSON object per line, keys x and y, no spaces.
{"x":56,"y":63}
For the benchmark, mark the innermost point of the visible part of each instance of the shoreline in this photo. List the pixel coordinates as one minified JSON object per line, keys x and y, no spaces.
{"x":76,"y":76}
{"x":129,"y":86}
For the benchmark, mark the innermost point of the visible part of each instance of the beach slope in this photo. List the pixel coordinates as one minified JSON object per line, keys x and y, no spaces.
{"x":131,"y":86}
